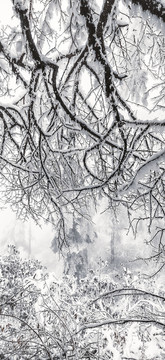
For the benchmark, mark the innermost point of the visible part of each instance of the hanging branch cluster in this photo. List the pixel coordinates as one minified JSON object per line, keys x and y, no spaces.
{"x":76,"y":78}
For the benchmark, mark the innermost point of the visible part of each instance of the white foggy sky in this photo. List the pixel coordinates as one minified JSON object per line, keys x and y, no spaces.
{"x":25,"y":235}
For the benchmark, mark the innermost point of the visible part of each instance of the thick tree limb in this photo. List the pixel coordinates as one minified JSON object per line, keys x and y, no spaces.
{"x":155,"y":7}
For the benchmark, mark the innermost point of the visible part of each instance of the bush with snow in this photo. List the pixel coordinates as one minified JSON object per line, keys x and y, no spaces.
{"x":102,"y":317}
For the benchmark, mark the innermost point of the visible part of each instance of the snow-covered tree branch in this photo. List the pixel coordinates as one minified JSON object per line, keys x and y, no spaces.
{"x":82,"y":108}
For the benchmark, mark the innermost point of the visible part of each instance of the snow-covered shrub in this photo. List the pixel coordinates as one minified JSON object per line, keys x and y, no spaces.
{"x":101,"y":317}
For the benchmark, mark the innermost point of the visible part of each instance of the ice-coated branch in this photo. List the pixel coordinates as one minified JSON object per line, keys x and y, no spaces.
{"x":122,"y":321}
{"x":25,"y":25}
{"x":128,"y":292}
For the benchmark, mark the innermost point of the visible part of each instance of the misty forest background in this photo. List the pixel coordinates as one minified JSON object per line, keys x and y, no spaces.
{"x":82,"y":165}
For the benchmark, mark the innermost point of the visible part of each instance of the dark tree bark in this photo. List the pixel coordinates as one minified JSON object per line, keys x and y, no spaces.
{"x":155,"y":7}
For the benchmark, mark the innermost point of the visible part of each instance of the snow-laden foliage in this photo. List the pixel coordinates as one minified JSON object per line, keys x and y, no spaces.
{"x":102,"y":317}
{"x":82,"y":109}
